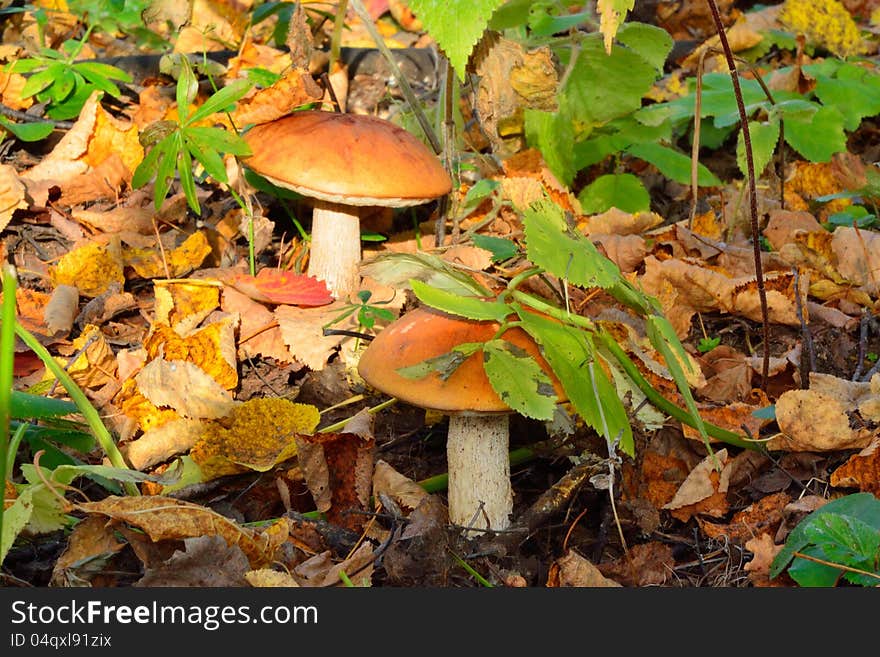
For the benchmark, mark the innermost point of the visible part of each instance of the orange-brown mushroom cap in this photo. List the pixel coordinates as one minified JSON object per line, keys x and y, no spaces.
{"x":425,"y":333}
{"x":346,"y":158}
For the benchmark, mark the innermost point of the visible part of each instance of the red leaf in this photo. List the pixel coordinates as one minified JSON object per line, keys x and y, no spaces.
{"x":283,"y":287}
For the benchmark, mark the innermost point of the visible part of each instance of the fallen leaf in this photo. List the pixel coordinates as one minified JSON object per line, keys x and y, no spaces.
{"x":618,"y":222}
{"x":764,"y":551}
{"x":259,"y":334}
{"x":12,"y":194}
{"x":154,"y":263}
{"x":704,"y":491}
{"x":266,"y":577}
{"x":205,"y":561}
{"x":91,"y":268}
{"x":185,"y":304}
{"x":646,"y":564}
{"x":211,"y":348}
{"x":163,"y":442}
{"x":278,"y":286}
{"x":857,"y":253}
{"x":184,"y":387}
{"x":62,"y":309}
{"x":320,"y":570}
{"x":92,"y":541}
{"x":403,"y":490}
{"x":303,"y":332}
{"x":166,"y":518}
{"x":861,"y":470}
{"x":293,"y":89}
{"x":761,"y":517}
{"x":571,"y":569}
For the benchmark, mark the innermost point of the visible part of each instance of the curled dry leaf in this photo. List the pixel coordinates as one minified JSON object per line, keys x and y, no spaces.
{"x":320,"y":570}
{"x":403,"y":490}
{"x":761,"y":517}
{"x":163,"y":442}
{"x":166,"y":518}
{"x":861,"y":471}
{"x":184,"y":387}
{"x":205,"y":561}
{"x":764,"y":551}
{"x":571,"y":569}
{"x":61,"y":310}
{"x":293,"y":89}
{"x":91,"y":539}
{"x":211,"y":348}
{"x":832,"y":414}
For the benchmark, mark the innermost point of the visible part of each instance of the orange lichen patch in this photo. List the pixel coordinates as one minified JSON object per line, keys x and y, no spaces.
{"x":861,"y":471}
{"x":257,"y":435}
{"x":764,"y":516}
{"x":152,"y":263}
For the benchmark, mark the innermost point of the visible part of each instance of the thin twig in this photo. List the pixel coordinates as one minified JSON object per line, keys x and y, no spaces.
{"x":805,"y":332}
{"x":30,"y":118}
{"x":753,"y":192}
{"x":863,"y":343}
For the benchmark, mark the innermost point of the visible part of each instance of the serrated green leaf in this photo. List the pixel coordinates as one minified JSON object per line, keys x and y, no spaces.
{"x":592,"y":100}
{"x":28,"y":131}
{"x":518,"y":380}
{"x":818,"y":138}
{"x":673,"y":164}
{"x":444,"y":364}
{"x":463,"y":306}
{"x":398,"y":269}
{"x":571,"y":355}
{"x":856,"y":96}
{"x":763,"y":136}
{"x":651,"y":42}
{"x":456,"y":26}
{"x":562,"y":251}
{"x":623,"y":191}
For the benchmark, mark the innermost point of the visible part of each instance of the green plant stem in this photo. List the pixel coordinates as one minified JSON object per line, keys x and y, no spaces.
{"x":336,"y":37}
{"x":439,"y":482}
{"x":470,"y":569}
{"x":82,"y":403}
{"x":12,"y":448}
{"x":338,"y":426}
{"x":7,"y":360}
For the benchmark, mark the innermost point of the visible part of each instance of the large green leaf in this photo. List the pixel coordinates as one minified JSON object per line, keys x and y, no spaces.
{"x":552,"y":133}
{"x":651,"y":42}
{"x":764,"y":136}
{"x":673,"y":164}
{"x":623,"y":191}
{"x":518,"y":380}
{"x":552,"y":244}
{"x":456,"y":26}
{"x":573,"y":359}
{"x":819,"y":136}
{"x":24,"y":405}
{"x":463,"y":306}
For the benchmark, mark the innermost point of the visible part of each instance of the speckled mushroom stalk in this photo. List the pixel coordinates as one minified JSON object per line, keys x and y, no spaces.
{"x":344,"y":162}
{"x":479,"y":491}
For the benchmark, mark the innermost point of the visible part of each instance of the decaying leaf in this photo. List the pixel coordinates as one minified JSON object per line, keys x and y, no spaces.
{"x":91,"y":268}
{"x":861,"y":471}
{"x":764,"y":551}
{"x":164,"y":518}
{"x":184,"y":304}
{"x":184,"y":387}
{"x":403,"y":490}
{"x":163,"y":442}
{"x":705,"y":489}
{"x":303,"y":332}
{"x":266,"y":577}
{"x":92,"y":541}
{"x":211,"y":348}
{"x":205,"y":561}
{"x":12,"y":194}
{"x":257,"y":435}
{"x":761,"y":517}
{"x":320,"y":570}
{"x":259,"y":334}
{"x":646,"y":564}
{"x":153,"y":263}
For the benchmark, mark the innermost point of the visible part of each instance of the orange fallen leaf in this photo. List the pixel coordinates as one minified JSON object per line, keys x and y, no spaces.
{"x":571,"y":569}
{"x":646,"y":564}
{"x":12,"y":194}
{"x":183,"y":304}
{"x":91,"y":268}
{"x":764,"y":551}
{"x":153,"y":263}
{"x":211,"y":348}
{"x":761,"y":517}
{"x":704,"y":491}
{"x":861,"y":470}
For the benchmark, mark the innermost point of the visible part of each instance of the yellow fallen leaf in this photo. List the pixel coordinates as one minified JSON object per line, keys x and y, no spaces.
{"x":91,"y":268}
{"x":211,"y":348}
{"x":12,"y":194}
{"x":185,"y":387}
{"x":152,"y":263}
{"x":184,"y":304}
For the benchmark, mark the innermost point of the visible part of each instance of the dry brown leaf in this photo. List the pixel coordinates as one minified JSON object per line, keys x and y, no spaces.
{"x":294,"y":89}
{"x":728,"y":375}
{"x":184,"y":387}
{"x":206,"y":561}
{"x":91,"y":539}
{"x":12,"y":194}
{"x":783,"y":224}
{"x":303,"y":332}
{"x":857,"y":253}
{"x":762,"y":517}
{"x":821,"y":418}
{"x":403,"y":490}
{"x":764,"y":551}
{"x":646,"y":564}
{"x":618,"y":222}
{"x":213,"y":25}
{"x":626,"y":251}
{"x":572,"y":569}
{"x":861,"y":471}
{"x":704,"y":491}
{"x":11,"y":85}
{"x":160,"y":444}
{"x":165,"y":518}
{"x":260,"y":334}
{"x":320,"y":570}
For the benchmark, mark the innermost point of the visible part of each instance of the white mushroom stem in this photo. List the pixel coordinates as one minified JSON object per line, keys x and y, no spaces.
{"x":479,"y":471}
{"x":335,"y":250}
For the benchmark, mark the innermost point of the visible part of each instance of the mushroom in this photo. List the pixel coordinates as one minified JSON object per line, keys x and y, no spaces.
{"x":479,"y":490}
{"x":344,"y":161}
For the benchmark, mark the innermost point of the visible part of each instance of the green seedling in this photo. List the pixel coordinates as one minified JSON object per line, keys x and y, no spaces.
{"x":707,"y":344}
{"x":367,"y":313}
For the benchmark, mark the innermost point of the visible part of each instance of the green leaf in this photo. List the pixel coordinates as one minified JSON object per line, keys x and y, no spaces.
{"x":501,"y":249}
{"x":764,"y":136}
{"x":186,"y":91}
{"x":482,"y":189}
{"x":397,"y":269}
{"x":72,"y":106}
{"x":571,"y":355}
{"x":552,"y":133}
{"x":855,"y":92}
{"x":209,"y":158}
{"x":847,"y":541}
{"x":592,"y":99}
{"x":553,"y":245}
{"x":864,"y":506}
{"x":26,"y":406}
{"x":819,"y":137}
{"x":65,"y":81}
{"x":651,"y":42}
{"x":464,"y":306}
{"x":146,"y":170}
{"x":187,"y":182}
{"x":166,"y":168}
{"x":623,"y":191}
{"x":518,"y":380}
{"x":96,"y":70}
{"x":15,"y":519}
{"x":219,"y":139}
{"x":220,"y":100}
{"x":28,"y":131}
{"x":673,"y":164}
{"x":37,"y":82}
{"x":456,"y":26}
{"x":444,"y":364}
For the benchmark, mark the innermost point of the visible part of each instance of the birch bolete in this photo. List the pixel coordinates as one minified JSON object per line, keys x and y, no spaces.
{"x":479,"y":491}
{"x":344,"y":162}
